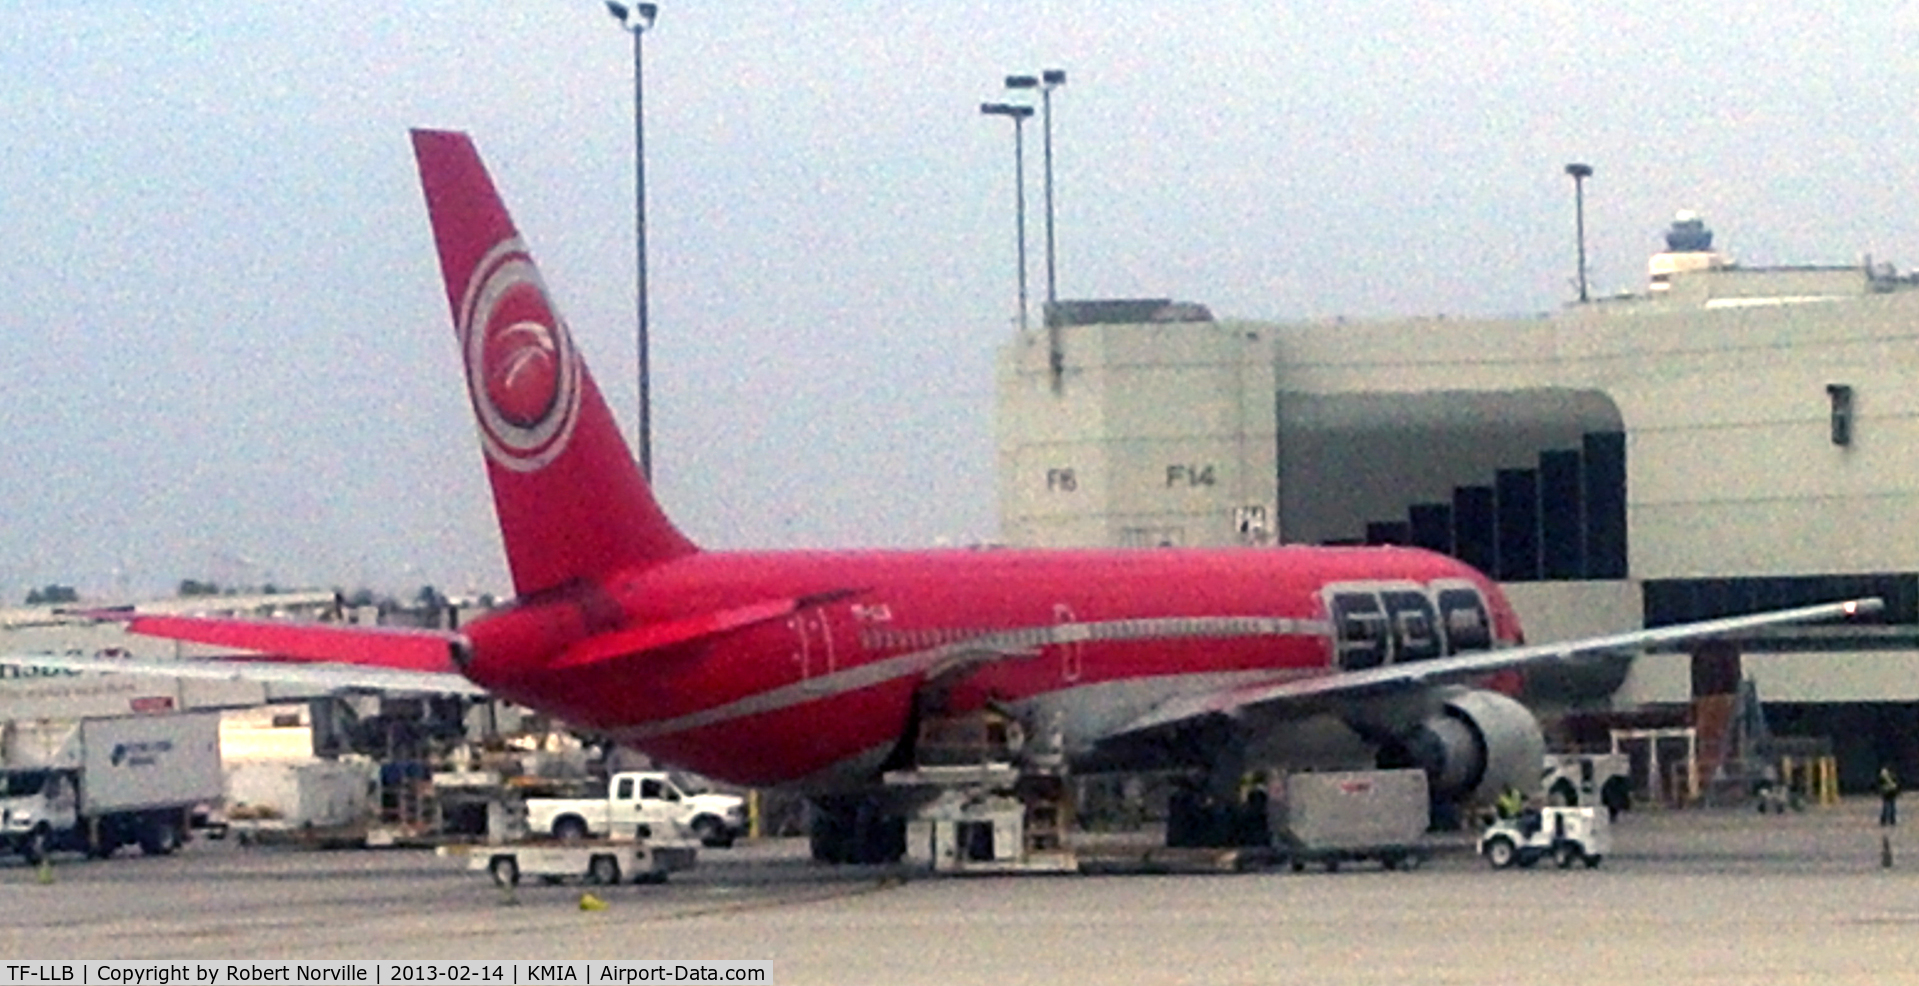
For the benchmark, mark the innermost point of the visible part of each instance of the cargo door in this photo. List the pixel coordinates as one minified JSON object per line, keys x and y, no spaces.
{"x":813,"y":648}
{"x":1071,"y":645}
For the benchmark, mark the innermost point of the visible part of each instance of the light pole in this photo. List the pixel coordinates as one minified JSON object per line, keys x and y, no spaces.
{"x":1018,"y":114}
{"x":1048,"y":81}
{"x":636,"y":19}
{"x":1579,"y":173}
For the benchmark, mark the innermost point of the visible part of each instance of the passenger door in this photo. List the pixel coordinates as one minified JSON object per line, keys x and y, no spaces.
{"x":659,"y":807}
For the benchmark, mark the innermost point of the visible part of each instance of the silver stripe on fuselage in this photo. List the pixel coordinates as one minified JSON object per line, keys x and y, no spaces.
{"x":986,"y":648}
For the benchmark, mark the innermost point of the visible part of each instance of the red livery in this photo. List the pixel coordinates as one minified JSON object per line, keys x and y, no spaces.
{"x":812,"y":668}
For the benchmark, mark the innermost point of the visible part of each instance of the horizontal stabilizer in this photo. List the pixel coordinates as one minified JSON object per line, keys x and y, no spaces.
{"x":654,"y":636}
{"x":403,"y":648}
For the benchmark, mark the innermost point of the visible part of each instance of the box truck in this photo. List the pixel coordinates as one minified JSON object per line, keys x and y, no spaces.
{"x":94,"y":785}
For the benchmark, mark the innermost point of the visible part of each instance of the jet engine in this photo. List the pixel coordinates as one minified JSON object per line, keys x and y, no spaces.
{"x":1476,"y":745}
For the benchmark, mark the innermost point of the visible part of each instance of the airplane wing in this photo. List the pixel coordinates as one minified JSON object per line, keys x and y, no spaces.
{"x":258,"y":667}
{"x":1398,"y":677}
{"x":329,"y":655}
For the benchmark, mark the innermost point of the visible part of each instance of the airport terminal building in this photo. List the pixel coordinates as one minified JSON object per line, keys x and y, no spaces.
{"x":1733,"y":439}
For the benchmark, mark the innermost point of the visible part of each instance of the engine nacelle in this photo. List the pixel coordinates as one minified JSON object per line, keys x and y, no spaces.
{"x":1477,"y":744}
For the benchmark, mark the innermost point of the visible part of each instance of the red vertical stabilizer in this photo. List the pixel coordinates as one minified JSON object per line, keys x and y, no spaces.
{"x":571,"y":501}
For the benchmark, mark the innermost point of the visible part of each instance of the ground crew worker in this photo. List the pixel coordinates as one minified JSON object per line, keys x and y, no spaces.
{"x":1888,"y":797}
{"x":1510,"y":803}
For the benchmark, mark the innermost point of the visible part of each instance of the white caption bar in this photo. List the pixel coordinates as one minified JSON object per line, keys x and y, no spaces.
{"x":437,"y":973}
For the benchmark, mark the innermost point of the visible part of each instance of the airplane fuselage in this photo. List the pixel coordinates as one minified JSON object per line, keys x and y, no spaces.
{"x":820,"y":690}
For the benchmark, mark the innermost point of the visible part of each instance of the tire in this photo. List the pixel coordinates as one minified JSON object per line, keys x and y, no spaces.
{"x":853,"y":829}
{"x":569,"y":829}
{"x":1616,"y":796}
{"x":1563,"y":796}
{"x":1565,"y":855}
{"x":1501,"y":853}
{"x":505,"y":871}
{"x":159,"y":838}
{"x":1592,"y":862}
{"x":712,"y":832}
{"x":829,"y":831}
{"x":36,"y":847}
{"x":603,"y":870}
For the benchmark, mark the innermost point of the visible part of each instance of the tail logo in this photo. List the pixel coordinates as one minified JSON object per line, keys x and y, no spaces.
{"x":521,"y":367}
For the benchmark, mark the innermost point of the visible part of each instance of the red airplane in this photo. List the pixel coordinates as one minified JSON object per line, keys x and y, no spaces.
{"x":815,"y":669}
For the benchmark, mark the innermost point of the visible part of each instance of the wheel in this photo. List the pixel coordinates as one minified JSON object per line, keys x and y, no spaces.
{"x":1332,"y":866}
{"x":1299,"y":866}
{"x":1389,"y":862}
{"x":603,"y":870}
{"x":829,"y":829}
{"x":1500,"y":852}
{"x":1528,"y":860}
{"x":159,"y":838}
{"x":569,"y":829}
{"x":1616,"y":796}
{"x":712,"y":832}
{"x":505,"y":871}
{"x":1592,"y":862}
{"x":36,"y":846}
{"x":1565,"y":855}
{"x":1563,"y":796}
{"x":855,"y":829}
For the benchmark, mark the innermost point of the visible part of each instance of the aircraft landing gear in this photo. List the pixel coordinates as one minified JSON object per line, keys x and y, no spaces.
{"x":851,"y":829}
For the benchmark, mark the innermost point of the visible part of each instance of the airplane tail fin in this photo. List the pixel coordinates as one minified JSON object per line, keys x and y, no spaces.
{"x":571,"y":501}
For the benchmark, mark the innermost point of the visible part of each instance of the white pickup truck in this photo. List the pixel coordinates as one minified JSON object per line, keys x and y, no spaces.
{"x":643,"y":804}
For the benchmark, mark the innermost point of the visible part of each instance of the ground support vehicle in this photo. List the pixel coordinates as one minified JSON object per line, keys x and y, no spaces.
{"x":94,"y":785}
{"x":310,"y":802}
{"x":1330,"y":819}
{"x":1567,"y":835}
{"x":985,"y":818}
{"x":1587,"y":780}
{"x":643,"y":804}
{"x":594,"y":861}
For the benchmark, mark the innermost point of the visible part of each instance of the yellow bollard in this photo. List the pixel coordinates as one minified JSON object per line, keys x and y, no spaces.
{"x":44,"y":874}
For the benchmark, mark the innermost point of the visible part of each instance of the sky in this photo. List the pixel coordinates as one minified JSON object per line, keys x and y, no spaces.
{"x":228,"y":350}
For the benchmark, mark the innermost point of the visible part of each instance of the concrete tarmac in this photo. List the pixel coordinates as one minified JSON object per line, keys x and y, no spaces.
{"x":1686,"y":897}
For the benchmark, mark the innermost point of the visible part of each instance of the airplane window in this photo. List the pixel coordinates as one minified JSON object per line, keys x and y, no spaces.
{"x":1468,"y":627}
{"x":1361,"y":626}
{"x":1413,"y":622}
